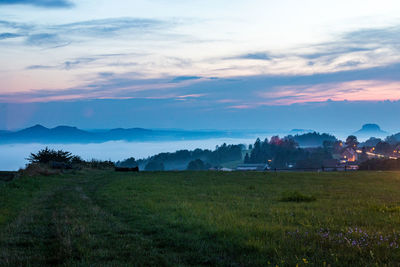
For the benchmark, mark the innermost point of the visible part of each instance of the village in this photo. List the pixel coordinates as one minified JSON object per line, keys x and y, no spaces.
{"x":346,"y":156}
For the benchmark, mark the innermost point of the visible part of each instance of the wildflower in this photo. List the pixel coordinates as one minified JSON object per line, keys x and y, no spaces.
{"x":305,"y":260}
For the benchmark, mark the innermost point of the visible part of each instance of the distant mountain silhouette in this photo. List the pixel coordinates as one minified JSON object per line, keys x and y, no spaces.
{"x":370,"y":130}
{"x":39,"y":133}
{"x":68,"y":134}
{"x":300,"y":131}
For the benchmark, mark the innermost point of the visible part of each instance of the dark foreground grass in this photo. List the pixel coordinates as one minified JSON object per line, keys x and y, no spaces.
{"x":201,"y":218}
{"x":296,"y":196}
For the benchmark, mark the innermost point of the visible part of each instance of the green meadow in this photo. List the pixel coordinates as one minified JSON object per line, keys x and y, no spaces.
{"x":201,"y":218}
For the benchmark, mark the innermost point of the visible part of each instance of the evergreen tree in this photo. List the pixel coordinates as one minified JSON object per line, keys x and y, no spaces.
{"x":247,"y":158}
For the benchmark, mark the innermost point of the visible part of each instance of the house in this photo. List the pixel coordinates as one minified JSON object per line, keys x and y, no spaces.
{"x":252,"y":167}
{"x":396,"y":151}
{"x":348,"y":166}
{"x":349,"y":154}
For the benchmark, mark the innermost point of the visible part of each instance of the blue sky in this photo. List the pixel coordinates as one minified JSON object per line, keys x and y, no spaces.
{"x":199,"y":59}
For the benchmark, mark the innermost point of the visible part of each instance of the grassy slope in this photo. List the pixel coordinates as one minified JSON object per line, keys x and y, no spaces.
{"x":200,"y":218}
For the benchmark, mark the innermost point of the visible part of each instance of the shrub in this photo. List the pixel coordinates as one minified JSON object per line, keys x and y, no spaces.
{"x":63,"y":160}
{"x":295,"y":196}
{"x":48,"y":155}
{"x":77,"y":160}
{"x":100,"y":164}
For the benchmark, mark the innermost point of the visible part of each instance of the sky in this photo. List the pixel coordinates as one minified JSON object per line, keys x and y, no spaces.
{"x":200,"y":64}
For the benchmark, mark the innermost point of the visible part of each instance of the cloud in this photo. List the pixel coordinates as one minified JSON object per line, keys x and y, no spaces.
{"x":377,"y":83}
{"x":191,"y":96}
{"x":43,"y":39}
{"x":106,"y":74}
{"x":333,"y":50}
{"x":67,"y":65}
{"x":345,"y":61}
{"x":16,"y":25}
{"x":39,"y":3}
{"x":359,"y":48}
{"x":254,"y":56}
{"x":74,"y":63}
{"x":388,"y":35}
{"x":363,"y":48}
{"x":60,"y":35}
{"x":39,"y":67}
{"x":362,"y":90}
{"x":106,"y":27}
{"x":351,"y":63}
{"x":185,"y":78}
{"x":240,"y":107}
{"x":7,"y":35}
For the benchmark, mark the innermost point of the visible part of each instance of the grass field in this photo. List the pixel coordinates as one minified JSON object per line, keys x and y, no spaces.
{"x":201,"y":218}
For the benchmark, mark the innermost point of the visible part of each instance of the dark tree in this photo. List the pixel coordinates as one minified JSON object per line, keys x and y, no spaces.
{"x":154,"y":166}
{"x":371,"y":142}
{"x":129,"y":162}
{"x":393,"y":139}
{"x":384,"y":148}
{"x":181,"y":158}
{"x":48,"y":155}
{"x":198,"y":165}
{"x":351,"y":141}
{"x":247,"y":158}
{"x":313,"y":139}
{"x":363,"y":157}
{"x":77,"y":160}
{"x":332,"y":147}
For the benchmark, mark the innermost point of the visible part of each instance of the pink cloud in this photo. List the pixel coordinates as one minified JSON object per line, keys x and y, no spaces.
{"x":227,"y":101}
{"x":240,"y":107}
{"x":191,"y":96}
{"x":360,"y":90}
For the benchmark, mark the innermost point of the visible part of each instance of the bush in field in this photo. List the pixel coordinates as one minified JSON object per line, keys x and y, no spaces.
{"x":48,"y":155}
{"x":295,"y":196}
{"x":52,"y":159}
{"x":100,"y":164}
{"x":198,"y":165}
